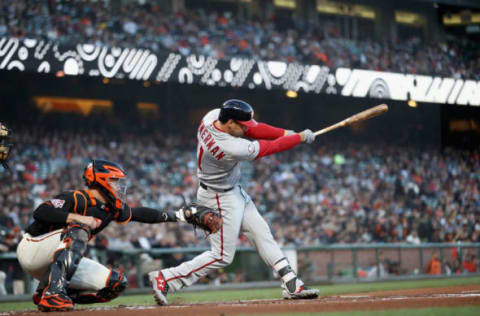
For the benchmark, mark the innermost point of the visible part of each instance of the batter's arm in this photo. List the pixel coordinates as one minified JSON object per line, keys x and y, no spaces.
{"x":278,"y":145}
{"x":265,"y":131}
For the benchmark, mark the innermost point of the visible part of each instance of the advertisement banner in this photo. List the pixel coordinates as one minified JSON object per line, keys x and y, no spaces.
{"x":32,"y":55}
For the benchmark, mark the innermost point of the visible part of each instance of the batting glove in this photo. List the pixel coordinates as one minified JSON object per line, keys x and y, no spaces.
{"x":309,"y":137}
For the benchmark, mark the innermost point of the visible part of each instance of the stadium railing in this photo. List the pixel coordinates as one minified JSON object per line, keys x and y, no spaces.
{"x":335,"y":263}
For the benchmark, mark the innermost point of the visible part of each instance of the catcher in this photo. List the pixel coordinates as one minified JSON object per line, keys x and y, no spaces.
{"x":5,"y":147}
{"x":53,"y":246}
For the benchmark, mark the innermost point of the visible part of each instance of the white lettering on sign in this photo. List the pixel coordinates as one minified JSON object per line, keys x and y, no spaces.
{"x":470,"y":94}
{"x":395,"y":86}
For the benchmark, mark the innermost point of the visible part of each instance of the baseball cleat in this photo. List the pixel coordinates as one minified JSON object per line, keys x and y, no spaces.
{"x":302,"y":292}
{"x":55,"y":303}
{"x":295,"y":289}
{"x":159,"y":287}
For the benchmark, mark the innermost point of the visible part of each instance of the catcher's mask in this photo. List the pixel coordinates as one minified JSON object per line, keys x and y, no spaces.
{"x":109,"y":178}
{"x":5,"y":146}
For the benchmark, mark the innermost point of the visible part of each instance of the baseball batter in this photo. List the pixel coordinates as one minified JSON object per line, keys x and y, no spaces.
{"x":220,"y":148}
{"x":53,"y":246}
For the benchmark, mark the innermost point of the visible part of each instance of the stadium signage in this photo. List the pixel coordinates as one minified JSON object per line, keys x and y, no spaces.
{"x":142,"y":64}
{"x":396,"y":86}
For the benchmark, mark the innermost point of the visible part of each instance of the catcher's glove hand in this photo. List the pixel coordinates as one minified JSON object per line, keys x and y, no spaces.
{"x":204,"y":217}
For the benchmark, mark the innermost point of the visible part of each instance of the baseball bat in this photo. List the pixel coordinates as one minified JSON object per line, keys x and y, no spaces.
{"x":364,"y":115}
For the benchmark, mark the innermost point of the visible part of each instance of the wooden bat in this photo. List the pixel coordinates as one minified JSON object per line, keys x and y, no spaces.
{"x":364,"y":115}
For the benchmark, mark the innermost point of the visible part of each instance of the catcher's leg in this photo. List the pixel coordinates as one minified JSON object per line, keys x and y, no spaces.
{"x":35,"y":256}
{"x":65,"y":262}
{"x":223,"y":246}
{"x":114,"y":284}
{"x":260,"y":236}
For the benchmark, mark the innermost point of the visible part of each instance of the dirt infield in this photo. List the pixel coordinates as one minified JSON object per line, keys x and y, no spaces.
{"x":414,"y":298}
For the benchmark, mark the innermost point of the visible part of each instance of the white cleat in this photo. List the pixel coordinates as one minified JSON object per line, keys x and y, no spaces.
{"x":295,"y":289}
{"x":159,"y":287}
{"x":302,"y":293}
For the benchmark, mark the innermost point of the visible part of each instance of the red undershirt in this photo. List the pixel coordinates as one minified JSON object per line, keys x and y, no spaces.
{"x":276,"y":141}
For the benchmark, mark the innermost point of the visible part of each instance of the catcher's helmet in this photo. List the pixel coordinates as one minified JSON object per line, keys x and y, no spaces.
{"x":237,"y":110}
{"x":5,"y":146}
{"x":109,"y":178}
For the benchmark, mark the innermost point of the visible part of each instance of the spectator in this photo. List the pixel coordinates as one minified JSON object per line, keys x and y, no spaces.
{"x":352,"y":202}
{"x":221,"y":35}
{"x":412,"y":238}
{"x":470,"y":264}
{"x":434,"y":266}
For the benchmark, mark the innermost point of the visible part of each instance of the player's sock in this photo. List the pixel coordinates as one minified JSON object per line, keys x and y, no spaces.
{"x":286,"y":273}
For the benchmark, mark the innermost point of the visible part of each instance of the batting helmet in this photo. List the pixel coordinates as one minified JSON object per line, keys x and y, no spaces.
{"x":109,"y":178}
{"x":237,"y":110}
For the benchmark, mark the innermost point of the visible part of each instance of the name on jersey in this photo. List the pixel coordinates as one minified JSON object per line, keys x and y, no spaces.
{"x":209,"y":142}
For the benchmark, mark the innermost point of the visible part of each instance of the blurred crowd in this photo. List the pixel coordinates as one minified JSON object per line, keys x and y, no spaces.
{"x":312,"y":195}
{"x":223,"y":36}
{"x":333,"y":193}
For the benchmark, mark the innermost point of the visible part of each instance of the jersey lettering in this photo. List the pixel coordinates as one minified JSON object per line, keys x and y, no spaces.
{"x":220,"y":155}
{"x":210,"y":144}
{"x":207,"y":139}
{"x":214,"y":150}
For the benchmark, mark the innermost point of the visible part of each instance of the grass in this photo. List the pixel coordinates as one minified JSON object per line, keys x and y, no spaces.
{"x":273,"y":293}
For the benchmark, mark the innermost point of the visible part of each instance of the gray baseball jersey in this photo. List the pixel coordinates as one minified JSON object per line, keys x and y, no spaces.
{"x":218,"y":154}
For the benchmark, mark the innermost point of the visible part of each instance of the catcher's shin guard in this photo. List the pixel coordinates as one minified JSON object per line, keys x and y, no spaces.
{"x":115,"y":285}
{"x":293,"y":287}
{"x":65,"y":262}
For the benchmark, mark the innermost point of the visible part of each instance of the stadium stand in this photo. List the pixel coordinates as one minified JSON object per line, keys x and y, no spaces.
{"x":223,"y":36}
{"x":354,"y":194}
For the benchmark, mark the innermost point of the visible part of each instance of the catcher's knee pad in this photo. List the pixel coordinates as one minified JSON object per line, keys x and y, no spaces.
{"x":75,"y":236}
{"x":116,"y":284}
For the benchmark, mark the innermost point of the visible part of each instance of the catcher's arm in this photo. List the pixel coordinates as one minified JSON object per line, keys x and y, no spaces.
{"x":204,"y":217}
{"x":150,"y":215}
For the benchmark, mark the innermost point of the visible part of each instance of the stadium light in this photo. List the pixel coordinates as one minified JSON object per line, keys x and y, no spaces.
{"x":291,"y":94}
{"x":412,"y":103}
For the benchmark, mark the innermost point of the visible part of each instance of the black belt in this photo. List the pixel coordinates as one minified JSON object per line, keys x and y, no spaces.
{"x":203,"y":185}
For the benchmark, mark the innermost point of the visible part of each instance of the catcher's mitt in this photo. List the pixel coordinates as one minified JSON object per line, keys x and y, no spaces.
{"x":204,"y":217}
